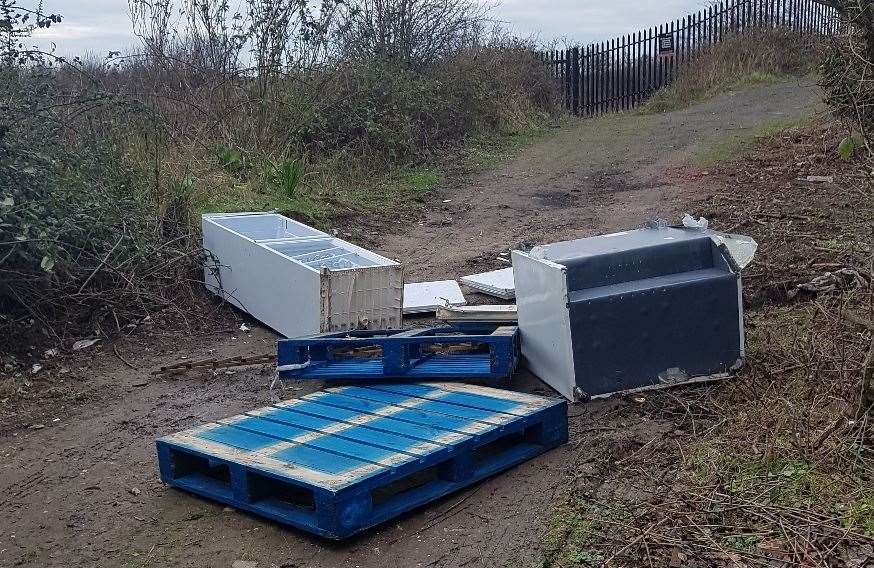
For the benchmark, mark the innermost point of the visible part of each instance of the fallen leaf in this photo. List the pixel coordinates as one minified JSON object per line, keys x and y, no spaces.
{"x":820,"y":179}
{"x":678,"y":559}
{"x":85,"y":343}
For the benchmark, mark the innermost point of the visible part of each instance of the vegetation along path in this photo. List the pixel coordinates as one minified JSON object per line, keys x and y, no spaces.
{"x":600,"y":175}
{"x":79,"y":482}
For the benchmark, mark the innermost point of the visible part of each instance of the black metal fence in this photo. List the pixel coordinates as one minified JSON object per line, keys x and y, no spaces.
{"x":619,"y":74}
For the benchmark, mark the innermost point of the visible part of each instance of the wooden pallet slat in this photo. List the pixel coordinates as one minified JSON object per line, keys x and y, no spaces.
{"x":340,"y":461}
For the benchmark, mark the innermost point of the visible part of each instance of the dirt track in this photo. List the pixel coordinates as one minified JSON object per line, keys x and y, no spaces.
{"x":78,"y":483}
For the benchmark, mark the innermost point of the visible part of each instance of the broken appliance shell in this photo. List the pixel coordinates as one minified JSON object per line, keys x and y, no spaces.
{"x":428,"y":297}
{"x":630,"y":311}
{"x":498,"y":283}
{"x":298,"y":280}
{"x":483,"y":314}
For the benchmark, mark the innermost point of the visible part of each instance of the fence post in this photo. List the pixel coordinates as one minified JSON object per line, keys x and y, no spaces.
{"x":650,"y":62}
{"x":638,"y":48}
{"x":566,"y":70}
{"x":623,"y":73}
{"x":576,"y":81}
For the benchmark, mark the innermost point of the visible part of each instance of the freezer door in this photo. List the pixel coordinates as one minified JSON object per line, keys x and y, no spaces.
{"x":544,"y":321}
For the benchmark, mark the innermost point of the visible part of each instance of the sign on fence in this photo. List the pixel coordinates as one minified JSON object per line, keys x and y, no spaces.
{"x":666,"y":45}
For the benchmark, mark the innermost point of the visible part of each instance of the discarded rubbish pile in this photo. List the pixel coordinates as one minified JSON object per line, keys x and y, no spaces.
{"x":636,"y":310}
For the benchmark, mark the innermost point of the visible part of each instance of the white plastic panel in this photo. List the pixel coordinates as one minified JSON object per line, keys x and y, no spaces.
{"x":544,"y":321}
{"x":363,"y":298}
{"x":502,"y":314}
{"x":426,"y":297}
{"x":498,"y":283}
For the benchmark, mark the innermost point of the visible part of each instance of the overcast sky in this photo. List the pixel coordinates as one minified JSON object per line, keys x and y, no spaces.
{"x":99,"y":26}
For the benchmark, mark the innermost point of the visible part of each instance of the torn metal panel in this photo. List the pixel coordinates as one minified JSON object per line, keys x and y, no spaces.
{"x":299,"y":280}
{"x":741,"y":248}
{"x":630,"y":311}
{"x":427,"y":297}
{"x":498,"y":283}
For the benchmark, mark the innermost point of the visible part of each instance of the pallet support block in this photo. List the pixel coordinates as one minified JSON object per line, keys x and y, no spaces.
{"x":337,"y":462}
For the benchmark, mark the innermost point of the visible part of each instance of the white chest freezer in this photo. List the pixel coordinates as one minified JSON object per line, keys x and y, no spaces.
{"x":298,"y":280}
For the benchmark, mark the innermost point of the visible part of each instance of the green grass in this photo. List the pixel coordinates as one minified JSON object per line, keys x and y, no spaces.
{"x":743,"y":141}
{"x":680,"y":95}
{"x":576,"y":530}
{"x":783,"y":481}
{"x":861,"y":515}
{"x":333,"y":187}
{"x":422,"y":180}
{"x":485,"y":152}
{"x":241,"y":197}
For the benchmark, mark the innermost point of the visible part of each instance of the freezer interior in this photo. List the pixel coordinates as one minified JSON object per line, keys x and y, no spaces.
{"x":330,"y":253}
{"x":266,"y":227}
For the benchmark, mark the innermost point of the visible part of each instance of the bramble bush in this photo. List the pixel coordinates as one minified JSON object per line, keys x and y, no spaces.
{"x":82,"y":246}
{"x":846,"y":73}
{"x":101,"y":160}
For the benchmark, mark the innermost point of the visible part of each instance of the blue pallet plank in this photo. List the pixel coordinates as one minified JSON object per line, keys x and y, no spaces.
{"x":364,"y":433}
{"x":434,"y":406}
{"x":401,"y":354}
{"x":342,"y":460}
{"x":450,"y":425}
{"x":390,"y":424}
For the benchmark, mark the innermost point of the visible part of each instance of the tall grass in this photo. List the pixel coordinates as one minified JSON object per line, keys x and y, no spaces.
{"x":751,"y":57}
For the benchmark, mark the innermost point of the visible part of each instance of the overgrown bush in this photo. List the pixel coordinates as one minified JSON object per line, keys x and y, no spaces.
{"x":415,"y":33}
{"x":389,"y":79}
{"x":84,"y":247}
{"x":848,"y":68}
{"x":389,"y":111}
{"x":102,"y":160}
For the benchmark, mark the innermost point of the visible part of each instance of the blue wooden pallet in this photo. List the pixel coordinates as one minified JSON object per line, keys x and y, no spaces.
{"x":402,"y":354}
{"x":342,"y":460}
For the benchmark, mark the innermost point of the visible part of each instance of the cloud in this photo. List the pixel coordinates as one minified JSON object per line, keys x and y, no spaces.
{"x":95,"y":26}
{"x":99,"y":26}
{"x":588,"y":21}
